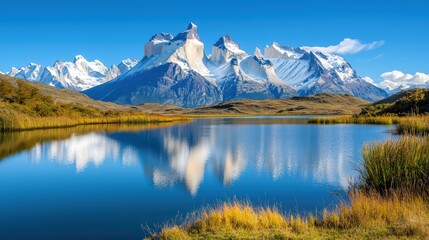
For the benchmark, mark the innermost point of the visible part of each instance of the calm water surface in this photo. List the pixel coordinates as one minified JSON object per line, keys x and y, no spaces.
{"x":104,"y":184}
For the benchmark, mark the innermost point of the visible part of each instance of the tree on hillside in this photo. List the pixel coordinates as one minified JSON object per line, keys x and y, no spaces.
{"x":7,"y":91}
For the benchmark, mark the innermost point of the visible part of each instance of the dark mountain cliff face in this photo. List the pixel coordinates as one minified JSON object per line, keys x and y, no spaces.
{"x":166,"y":84}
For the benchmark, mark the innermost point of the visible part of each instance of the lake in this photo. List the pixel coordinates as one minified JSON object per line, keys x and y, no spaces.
{"x":106,"y":182}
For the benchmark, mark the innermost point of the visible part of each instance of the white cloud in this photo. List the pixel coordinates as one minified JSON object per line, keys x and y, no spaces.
{"x":395,"y":79}
{"x":348,"y":46}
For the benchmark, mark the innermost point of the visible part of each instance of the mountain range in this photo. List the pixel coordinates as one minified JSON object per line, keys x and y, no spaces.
{"x":79,"y":75}
{"x":176,"y":70}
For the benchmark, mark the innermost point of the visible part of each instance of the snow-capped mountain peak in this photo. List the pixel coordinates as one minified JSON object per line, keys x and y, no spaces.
{"x":225,"y":49}
{"x":161,"y":37}
{"x":226,"y":42}
{"x":283,"y":52}
{"x":30,"y":72}
{"x":176,"y":70}
{"x":126,"y":64}
{"x":80,"y":74}
{"x":79,"y":58}
{"x":185,"y":49}
{"x":190,"y":33}
{"x":310,"y":72}
{"x":258,"y":52}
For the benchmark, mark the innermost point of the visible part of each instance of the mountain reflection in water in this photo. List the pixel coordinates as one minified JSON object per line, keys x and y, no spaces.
{"x":182,"y":154}
{"x":105,"y":181}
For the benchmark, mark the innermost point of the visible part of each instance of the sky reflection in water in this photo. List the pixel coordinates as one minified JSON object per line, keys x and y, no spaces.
{"x":101,"y":182}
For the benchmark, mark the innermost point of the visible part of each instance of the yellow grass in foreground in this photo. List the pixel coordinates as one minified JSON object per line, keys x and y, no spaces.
{"x":368,"y":216}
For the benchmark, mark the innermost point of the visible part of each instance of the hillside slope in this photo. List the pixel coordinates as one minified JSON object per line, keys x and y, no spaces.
{"x":321,"y":104}
{"x":69,"y":96}
{"x":414,"y":101}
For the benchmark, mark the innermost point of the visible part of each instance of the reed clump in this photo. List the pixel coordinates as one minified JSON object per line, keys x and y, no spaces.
{"x":397,"y":166}
{"x":382,"y":120}
{"x":415,"y":126}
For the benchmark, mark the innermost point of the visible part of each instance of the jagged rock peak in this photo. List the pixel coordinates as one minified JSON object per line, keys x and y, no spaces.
{"x":262,"y":61}
{"x":258,"y":53}
{"x":78,"y":57}
{"x":192,"y":26}
{"x":190,"y":33}
{"x":223,"y":40}
{"x":161,"y":37}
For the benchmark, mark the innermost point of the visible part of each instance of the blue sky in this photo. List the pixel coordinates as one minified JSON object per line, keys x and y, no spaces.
{"x":44,"y":31}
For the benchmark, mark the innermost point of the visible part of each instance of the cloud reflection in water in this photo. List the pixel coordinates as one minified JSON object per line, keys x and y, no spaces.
{"x":183,"y":154}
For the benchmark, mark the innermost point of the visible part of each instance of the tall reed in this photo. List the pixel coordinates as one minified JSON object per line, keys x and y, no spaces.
{"x":382,"y":120}
{"x":414,"y":125}
{"x":397,"y":166}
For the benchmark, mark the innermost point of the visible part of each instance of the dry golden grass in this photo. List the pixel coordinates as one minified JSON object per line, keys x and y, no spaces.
{"x":382,"y":120}
{"x":414,"y":125}
{"x":25,"y":105}
{"x":66,"y":96}
{"x":16,"y":121}
{"x":371,"y":211}
{"x":12,"y":119}
{"x":405,"y":125}
{"x":321,"y":104}
{"x":368,"y":216}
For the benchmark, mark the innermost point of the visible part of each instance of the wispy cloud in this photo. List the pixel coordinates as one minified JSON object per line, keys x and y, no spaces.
{"x":348,"y":46}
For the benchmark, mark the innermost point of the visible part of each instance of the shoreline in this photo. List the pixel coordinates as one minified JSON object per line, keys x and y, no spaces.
{"x":389,"y":200}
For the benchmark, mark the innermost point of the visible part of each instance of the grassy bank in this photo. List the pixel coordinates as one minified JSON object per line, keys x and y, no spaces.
{"x":23,"y":107}
{"x":366,"y":217}
{"x":405,"y":125}
{"x":389,"y":201}
{"x":382,"y":120}
{"x":12,"y":120}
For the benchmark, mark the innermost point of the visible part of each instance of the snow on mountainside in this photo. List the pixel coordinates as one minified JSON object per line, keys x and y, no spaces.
{"x":176,"y":70}
{"x":78,"y":75}
{"x":312,"y":72}
{"x":181,"y":74}
{"x":172,"y":71}
{"x":242,"y":76}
